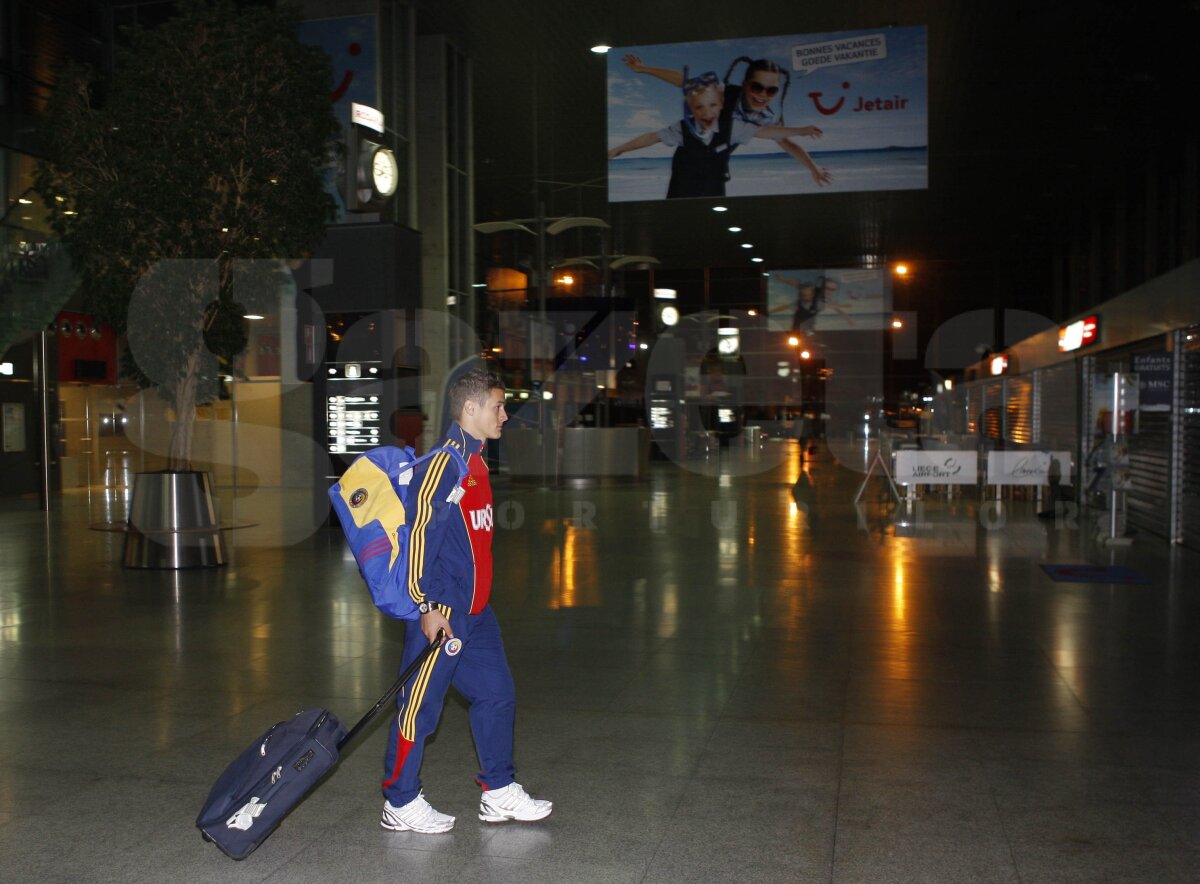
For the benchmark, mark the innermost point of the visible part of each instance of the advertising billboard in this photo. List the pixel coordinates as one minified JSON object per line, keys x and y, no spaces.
{"x":762,"y":116}
{"x":829,"y":300}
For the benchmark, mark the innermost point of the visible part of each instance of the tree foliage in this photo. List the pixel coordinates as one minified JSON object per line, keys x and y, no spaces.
{"x":201,"y":152}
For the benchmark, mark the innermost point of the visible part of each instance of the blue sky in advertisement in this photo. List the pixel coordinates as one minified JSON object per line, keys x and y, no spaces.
{"x":350,"y":43}
{"x":865,"y":90}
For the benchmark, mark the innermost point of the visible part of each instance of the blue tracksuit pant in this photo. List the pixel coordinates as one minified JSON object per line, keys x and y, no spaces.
{"x":480,"y":673}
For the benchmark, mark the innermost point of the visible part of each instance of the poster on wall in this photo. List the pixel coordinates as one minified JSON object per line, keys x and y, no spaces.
{"x":832,"y":299}
{"x":1156,"y":383}
{"x":761,"y":116}
{"x":350,"y":42}
{"x":14,"y":426}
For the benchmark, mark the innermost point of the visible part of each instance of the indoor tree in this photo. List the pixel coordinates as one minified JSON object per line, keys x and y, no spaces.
{"x":175,"y":179}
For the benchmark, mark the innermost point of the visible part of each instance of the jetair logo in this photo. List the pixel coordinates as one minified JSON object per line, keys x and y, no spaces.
{"x":862,"y":103}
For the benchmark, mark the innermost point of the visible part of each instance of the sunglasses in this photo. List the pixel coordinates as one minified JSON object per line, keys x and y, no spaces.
{"x":759,"y":89}
{"x":704,"y":81}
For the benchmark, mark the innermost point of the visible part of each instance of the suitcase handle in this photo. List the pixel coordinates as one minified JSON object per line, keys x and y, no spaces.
{"x":312,"y":729}
{"x":396,"y":687}
{"x":262,"y":749}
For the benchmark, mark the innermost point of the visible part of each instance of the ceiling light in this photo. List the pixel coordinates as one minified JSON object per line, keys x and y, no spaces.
{"x":25,"y":201}
{"x":252,"y":316}
{"x":757,"y":260}
{"x":601,"y":48}
{"x":720,"y":208}
{"x":735,"y":230}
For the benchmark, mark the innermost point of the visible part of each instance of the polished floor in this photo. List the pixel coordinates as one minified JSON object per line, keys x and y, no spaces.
{"x":724,"y":674}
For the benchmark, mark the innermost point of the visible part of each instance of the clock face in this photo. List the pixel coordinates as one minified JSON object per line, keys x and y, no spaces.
{"x":385,"y":173}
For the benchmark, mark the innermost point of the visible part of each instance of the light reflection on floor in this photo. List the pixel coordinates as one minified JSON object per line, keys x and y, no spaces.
{"x":708,"y":661}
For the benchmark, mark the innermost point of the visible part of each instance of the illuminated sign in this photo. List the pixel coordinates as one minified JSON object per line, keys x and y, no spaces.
{"x":661,"y":417}
{"x":366,"y":116}
{"x":353,"y":423}
{"x":1079,"y":334}
{"x":865,"y":91}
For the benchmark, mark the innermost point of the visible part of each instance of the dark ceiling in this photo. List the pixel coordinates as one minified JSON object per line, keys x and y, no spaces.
{"x":1039,"y":115}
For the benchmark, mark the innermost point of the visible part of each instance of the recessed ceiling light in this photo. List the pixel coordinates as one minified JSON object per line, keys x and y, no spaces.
{"x":735,"y":230}
{"x":720,"y":208}
{"x":601,"y":48}
{"x":747,"y":245}
{"x":757,"y":260}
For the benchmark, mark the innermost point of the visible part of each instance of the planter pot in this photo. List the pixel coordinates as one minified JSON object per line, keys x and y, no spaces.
{"x":174,"y":522}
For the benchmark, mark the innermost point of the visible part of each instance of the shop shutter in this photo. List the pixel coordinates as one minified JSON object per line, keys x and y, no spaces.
{"x":1018,"y":410}
{"x":1189,"y":399}
{"x":1148,"y":500}
{"x":1058,"y":408}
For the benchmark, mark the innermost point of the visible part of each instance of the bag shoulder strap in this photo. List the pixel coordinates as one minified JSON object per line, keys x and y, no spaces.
{"x":459,"y":461}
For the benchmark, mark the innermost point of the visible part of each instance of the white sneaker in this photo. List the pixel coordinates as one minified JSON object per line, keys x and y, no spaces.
{"x":512,"y":803}
{"x":416,"y":816}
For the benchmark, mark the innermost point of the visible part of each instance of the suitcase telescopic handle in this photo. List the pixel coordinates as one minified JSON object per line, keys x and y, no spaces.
{"x":396,"y":687}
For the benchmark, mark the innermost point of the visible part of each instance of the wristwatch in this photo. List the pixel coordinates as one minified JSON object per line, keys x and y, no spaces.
{"x":426,"y":607}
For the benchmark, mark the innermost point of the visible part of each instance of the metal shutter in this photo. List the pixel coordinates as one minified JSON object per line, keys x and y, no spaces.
{"x":1058,"y":408}
{"x":1018,"y":410}
{"x":1148,"y":501}
{"x":1188,"y":398}
{"x":991,"y":418}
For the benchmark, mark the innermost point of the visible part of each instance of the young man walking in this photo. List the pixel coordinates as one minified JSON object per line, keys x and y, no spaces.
{"x":450,"y":580}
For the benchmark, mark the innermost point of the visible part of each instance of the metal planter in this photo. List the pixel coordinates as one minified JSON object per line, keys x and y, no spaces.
{"x":174,"y":522}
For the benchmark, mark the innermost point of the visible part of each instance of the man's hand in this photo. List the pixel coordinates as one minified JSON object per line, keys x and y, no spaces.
{"x":434,"y":621}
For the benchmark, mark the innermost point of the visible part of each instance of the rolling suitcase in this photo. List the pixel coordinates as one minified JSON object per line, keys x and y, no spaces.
{"x":278,"y":769}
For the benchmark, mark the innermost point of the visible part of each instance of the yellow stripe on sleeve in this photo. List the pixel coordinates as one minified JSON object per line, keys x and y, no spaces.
{"x":421,"y":519}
